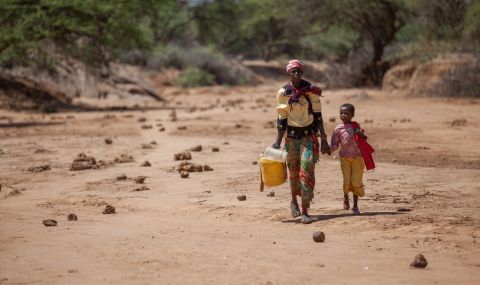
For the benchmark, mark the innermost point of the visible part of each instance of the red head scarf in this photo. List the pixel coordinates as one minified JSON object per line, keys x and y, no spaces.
{"x":294,"y":63}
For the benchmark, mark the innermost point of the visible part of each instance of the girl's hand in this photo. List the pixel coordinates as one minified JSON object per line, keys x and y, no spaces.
{"x":358,"y":131}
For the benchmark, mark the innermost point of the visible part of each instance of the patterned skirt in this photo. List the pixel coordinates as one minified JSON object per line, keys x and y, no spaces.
{"x":302,"y":155}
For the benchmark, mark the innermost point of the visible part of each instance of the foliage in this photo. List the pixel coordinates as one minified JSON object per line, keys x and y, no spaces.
{"x":193,"y":76}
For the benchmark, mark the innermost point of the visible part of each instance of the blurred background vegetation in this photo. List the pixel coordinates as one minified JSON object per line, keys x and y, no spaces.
{"x":203,"y":37}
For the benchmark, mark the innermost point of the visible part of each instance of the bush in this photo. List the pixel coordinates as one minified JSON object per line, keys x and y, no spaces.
{"x":193,"y":76}
{"x":48,"y":107}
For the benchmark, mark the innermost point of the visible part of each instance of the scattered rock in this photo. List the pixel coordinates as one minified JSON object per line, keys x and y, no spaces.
{"x":83,"y":162}
{"x":140,"y":179}
{"x":367,"y":121}
{"x":419,"y":262}
{"x":405,"y":120}
{"x":124,"y":158}
{"x":146,"y":163}
{"x":458,"y":123}
{"x":271,"y":194}
{"x":122,"y":177}
{"x":38,"y":150}
{"x":162,"y":129}
{"x":319,"y":236}
{"x":142,"y":120}
{"x":153,"y":142}
{"x":207,"y":167}
{"x":189,"y":167}
{"x":394,"y":160}
{"x":269,"y":125}
{"x":39,"y":168}
{"x":146,"y":146}
{"x":182,"y":128}
{"x":215,"y":149}
{"x":14,"y":192}
{"x":109,"y":209}
{"x":254,"y":162}
{"x":242,"y":197}
{"x":141,"y":188}
{"x":173,"y":116}
{"x":238,"y":126}
{"x":226,"y":143}
{"x":400,"y":200}
{"x":184,"y":174}
{"x":108,"y":141}
{"x":332,"y":119}
{"x":196,"y":148}
{"x":72,"y":217}
{"x":49,"y":222}
{"x":186,"y":155}
{"x":404,"y":209}
{"x":146,"y":127}
{"x":2,"y":151}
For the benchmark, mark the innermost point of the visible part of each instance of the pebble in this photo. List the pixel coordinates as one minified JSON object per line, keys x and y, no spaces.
{"x":108,"y":141}
{"x":271,"y":194}
{"x":319,"y":236}
{"x":122,"y":177}
{"x":419,"y":262}
{"x":146,"y":163}
{"x":207,"y":167}
{"x":72,"y":217}
{"x":254,"y":162}
{"x":184,"y":174}
{"x":242,"y":197}
{"x":140,"y":179}
{"x":196,"y":148}
{"x":109,"y":209}
{"x":215,"y":149}
{"x":49,"y":222}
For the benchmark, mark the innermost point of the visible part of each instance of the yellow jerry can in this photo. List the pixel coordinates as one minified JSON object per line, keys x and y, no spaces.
{"x":273,"y":169}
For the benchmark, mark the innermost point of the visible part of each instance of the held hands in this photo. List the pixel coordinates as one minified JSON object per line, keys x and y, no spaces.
{"x":324,"y":147}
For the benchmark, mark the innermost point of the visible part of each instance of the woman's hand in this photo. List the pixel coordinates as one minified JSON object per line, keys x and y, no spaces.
{"x":276,"y":145}
{"x":324,"y":147}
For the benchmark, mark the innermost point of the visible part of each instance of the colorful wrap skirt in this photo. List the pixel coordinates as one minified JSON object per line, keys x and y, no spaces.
{"x":303,"y":153}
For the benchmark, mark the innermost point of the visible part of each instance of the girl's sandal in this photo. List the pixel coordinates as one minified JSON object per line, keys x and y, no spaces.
{"x":306,"y":219}
{"x":295,"y":211}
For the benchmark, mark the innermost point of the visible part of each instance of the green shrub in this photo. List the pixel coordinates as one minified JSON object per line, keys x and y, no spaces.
{"x":193,"y":76}
{"x":48,"y":107}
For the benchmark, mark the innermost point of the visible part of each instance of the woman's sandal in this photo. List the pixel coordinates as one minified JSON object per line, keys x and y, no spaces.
{"x":306,"y":219}
{"x":356,"y":211}
{"x":295,"y":211}
{"x":346,"y":204}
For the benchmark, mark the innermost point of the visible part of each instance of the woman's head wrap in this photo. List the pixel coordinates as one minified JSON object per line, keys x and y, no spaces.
{"x":294,"y":63}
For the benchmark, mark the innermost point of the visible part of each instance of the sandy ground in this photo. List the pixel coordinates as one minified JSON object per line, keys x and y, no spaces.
{"x":195,"y":231}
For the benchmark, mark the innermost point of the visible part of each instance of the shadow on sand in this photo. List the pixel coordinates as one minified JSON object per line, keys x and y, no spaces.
{"x":318,"y":218}
{"x":28,"y":124}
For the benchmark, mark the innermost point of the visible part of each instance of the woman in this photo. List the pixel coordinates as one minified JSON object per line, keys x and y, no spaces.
{"x":300,"y":115}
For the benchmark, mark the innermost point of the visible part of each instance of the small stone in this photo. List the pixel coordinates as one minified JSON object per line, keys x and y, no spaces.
{"x":162,"y":129}
{"x":72,"y":217}
{"x":186,"y":155}
{"x":238,"y":126}
{"x":403,"y":209}
{"x":271,"y":194}
{"x":109,"y":209}
{"x":146,"y":163}
{"x":226,"y":143}
{"x":182,"y":128}
{"x":254,"y":162}
{"x":122,"y":177}
{"x":419,"y":262}
{"x":83,"y":162}
{"x":207,"y":167}
{"x":394,"y":160}
{"x":242,"y":197}
{"x":140,"y":179}
{"x":215,"y":149}
{"x":146,"y":146}
{"x":319,"y":236}
{"x":332,"y":119}
{"x":49,"y":222}
{"x":146,"y":127}
{"x":123,"y":158}
{"x":39,"y":168}
{"x":196,"y":148}
{"x":142,"y":119}
{"x":141,"y":188}
{"x":153,"y":142}
{"x":184,"y":174}
{"x":108,"y":141}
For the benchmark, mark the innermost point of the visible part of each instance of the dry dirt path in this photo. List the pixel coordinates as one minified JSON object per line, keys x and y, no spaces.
{"x":195,"y":231}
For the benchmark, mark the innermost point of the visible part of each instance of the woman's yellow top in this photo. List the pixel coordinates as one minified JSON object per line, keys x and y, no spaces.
{"x":298,"y":115}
